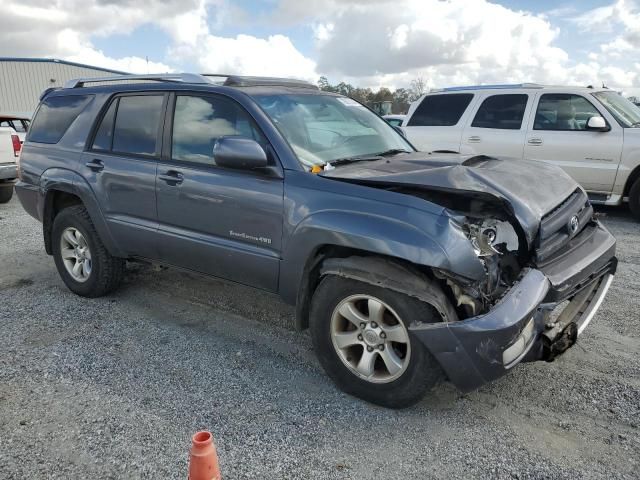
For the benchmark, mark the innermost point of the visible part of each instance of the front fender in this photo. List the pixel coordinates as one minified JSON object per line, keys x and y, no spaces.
{"x":63,"y":180}
{"x":440,"y":246}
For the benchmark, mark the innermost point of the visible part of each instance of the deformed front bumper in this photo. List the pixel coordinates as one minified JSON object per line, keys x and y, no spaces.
{"x":521,"y":327}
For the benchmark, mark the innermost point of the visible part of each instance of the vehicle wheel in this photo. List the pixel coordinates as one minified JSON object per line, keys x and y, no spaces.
{"x":82,"y":260}
{"x":359,"y":332}
{"x":6,"y":192}
{"x":634,"y":199}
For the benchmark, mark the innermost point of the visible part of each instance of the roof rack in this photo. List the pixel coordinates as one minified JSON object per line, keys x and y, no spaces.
{"x":486,"y":87}
{"x":157,"y":77}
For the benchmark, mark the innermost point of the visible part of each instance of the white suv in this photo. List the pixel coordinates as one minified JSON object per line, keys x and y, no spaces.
{"x":592,"y":133}
{"x":12,"y":132}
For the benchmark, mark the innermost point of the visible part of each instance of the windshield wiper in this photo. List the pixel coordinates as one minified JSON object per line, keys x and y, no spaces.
{"x":368,"y":158}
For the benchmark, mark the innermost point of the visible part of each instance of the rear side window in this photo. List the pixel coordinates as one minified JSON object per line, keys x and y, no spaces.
{"x":55,"y":116}
{"x":501,"y":111}
{"x":440,"y":110}
{"x":137,"y":124}
{"x":104,"y":135}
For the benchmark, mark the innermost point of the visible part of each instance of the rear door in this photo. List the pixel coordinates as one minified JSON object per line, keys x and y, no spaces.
{"x":120,"y":166}
{"x":558,"y":135}
{"x":219,"y":221}
{"x":436,"y":123}
{"x":496,"y":125}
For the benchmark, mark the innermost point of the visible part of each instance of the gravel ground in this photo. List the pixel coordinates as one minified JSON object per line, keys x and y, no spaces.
{"x":114,"y":387}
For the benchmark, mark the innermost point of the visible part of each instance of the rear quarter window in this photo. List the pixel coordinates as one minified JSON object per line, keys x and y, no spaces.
{"x":440,"y":110}
{"x":55,"y":116}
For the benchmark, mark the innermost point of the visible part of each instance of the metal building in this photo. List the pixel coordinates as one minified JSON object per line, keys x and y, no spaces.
{"x":22,"y":80}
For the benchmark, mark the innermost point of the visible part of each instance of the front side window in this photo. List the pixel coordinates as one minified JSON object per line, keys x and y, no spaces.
{"x":199,"y":121}
{"x":626,"y":113}
{"x":323,"y":128}
{"x":55,"y":116}
{"x":440,"y":110}
{"x":563,"y":111}
{"x":502,"y":112}
{"x":137,"y":124}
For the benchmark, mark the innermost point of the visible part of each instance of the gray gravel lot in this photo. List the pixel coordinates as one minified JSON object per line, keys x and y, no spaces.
{"x":114,"y":387}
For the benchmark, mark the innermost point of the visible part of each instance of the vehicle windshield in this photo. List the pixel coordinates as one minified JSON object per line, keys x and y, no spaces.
{"x":625,"y":112}
{"x":325,"y":128}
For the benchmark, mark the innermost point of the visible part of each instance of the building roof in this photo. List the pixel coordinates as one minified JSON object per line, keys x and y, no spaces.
{"x":62,"y":62}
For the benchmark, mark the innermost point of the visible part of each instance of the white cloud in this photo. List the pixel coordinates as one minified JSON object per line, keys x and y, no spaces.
{"x":364,"y":42}
{"x":247,"y":55}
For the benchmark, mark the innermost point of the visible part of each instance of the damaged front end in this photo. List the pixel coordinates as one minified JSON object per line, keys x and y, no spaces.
{"x":530,"y":267}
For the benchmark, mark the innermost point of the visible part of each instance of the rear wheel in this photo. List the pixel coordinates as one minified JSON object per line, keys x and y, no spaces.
{"x":6,"y":192}
{"x":82,"y":260}
{"x":634,"y":199}
{"x":361,"y":336}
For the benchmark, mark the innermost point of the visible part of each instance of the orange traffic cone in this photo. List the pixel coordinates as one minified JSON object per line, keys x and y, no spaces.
{"x":203,"y":459}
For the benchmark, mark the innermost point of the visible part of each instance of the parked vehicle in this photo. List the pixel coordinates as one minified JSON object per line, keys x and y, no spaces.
{"x":592,"y":133}
{"x":12,"y":132}
{"x":394,"y":120}
{"x":407,"y":267}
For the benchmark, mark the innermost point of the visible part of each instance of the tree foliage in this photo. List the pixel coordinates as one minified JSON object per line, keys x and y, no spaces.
{"x":400,"y":98}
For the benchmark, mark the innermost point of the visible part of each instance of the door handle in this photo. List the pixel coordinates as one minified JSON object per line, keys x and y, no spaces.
{"x":95,"y":165}
{"x":172,"y":177}
{"x":474,"y":139}
{"x":534,"y":141}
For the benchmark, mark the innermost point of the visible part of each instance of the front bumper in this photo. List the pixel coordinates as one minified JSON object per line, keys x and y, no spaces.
{"x":521,"y":326}
{"x":8,"y":171}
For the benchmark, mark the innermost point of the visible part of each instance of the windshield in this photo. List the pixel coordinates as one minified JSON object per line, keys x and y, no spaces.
{"x":625,"y":112}
{"x":325,"y":128}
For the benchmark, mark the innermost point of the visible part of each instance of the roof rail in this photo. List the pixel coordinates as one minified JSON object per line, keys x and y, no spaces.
{"x":486,"y":87}
{"x":158,"y":77}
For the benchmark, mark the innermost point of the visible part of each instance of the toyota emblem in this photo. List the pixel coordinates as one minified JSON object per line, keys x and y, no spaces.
{"x":574,"y":224}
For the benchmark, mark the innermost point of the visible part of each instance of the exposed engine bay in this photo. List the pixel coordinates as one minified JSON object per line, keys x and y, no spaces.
{"x":496,"y":245}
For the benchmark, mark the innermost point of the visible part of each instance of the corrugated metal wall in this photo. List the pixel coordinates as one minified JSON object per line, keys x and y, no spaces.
{"x":22,"y":82}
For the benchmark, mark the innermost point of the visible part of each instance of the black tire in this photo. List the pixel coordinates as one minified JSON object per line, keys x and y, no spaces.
{"x":423,"y":371}
{"x":6,"y":192}
{"x":106,"y":272}
{"x":634,"y":199}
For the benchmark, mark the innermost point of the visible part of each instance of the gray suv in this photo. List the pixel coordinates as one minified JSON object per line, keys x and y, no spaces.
{"x":407,"y":267}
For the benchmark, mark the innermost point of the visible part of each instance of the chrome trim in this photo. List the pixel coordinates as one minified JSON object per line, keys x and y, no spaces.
{"x":594,"y":305}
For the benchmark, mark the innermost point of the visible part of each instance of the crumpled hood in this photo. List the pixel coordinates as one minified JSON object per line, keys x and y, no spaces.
{"x":531,"y":189}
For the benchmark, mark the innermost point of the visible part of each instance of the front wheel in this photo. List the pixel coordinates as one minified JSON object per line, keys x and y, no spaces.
{"x":634,"y":199}
{"x":359,"y":332}
{"x":82,"y":260}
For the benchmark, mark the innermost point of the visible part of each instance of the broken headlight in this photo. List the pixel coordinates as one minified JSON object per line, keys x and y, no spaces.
{"x":491,"y":237}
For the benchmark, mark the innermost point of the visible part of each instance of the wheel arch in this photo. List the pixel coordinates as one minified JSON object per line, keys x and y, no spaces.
{"x":62,"y":188}
{"x":631,"y":179}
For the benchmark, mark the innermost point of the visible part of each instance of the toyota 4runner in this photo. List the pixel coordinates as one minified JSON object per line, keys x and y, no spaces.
{"x":407,"y":267}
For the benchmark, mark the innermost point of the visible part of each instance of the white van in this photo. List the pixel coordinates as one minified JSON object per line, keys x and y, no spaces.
{"x":592,"y":133}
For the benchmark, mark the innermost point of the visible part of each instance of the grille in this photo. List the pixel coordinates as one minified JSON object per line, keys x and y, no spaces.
{"x":556,"y":226}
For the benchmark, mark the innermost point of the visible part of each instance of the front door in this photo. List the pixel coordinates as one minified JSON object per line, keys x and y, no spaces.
{"x":121,"y":167}
{"x":559,"y":135}
{"x":219,"y":221}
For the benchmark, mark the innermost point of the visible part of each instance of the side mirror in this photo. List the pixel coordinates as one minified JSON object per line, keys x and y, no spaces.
{"x":239,"y":152}
{"x":597,"y":124}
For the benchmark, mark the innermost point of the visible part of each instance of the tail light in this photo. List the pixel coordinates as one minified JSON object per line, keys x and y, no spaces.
{"x":17,"y":146}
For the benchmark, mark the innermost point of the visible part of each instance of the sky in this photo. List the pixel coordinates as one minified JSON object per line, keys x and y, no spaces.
{"x":368,"y":43}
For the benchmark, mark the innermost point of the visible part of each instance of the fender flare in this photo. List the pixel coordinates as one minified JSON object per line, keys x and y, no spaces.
{"x":68,"y":181}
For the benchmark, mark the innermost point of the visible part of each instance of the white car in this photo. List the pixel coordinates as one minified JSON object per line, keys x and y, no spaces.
{"x":12,"y":133}
{"x":395,"y":120}
{"x":592,"y":133}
